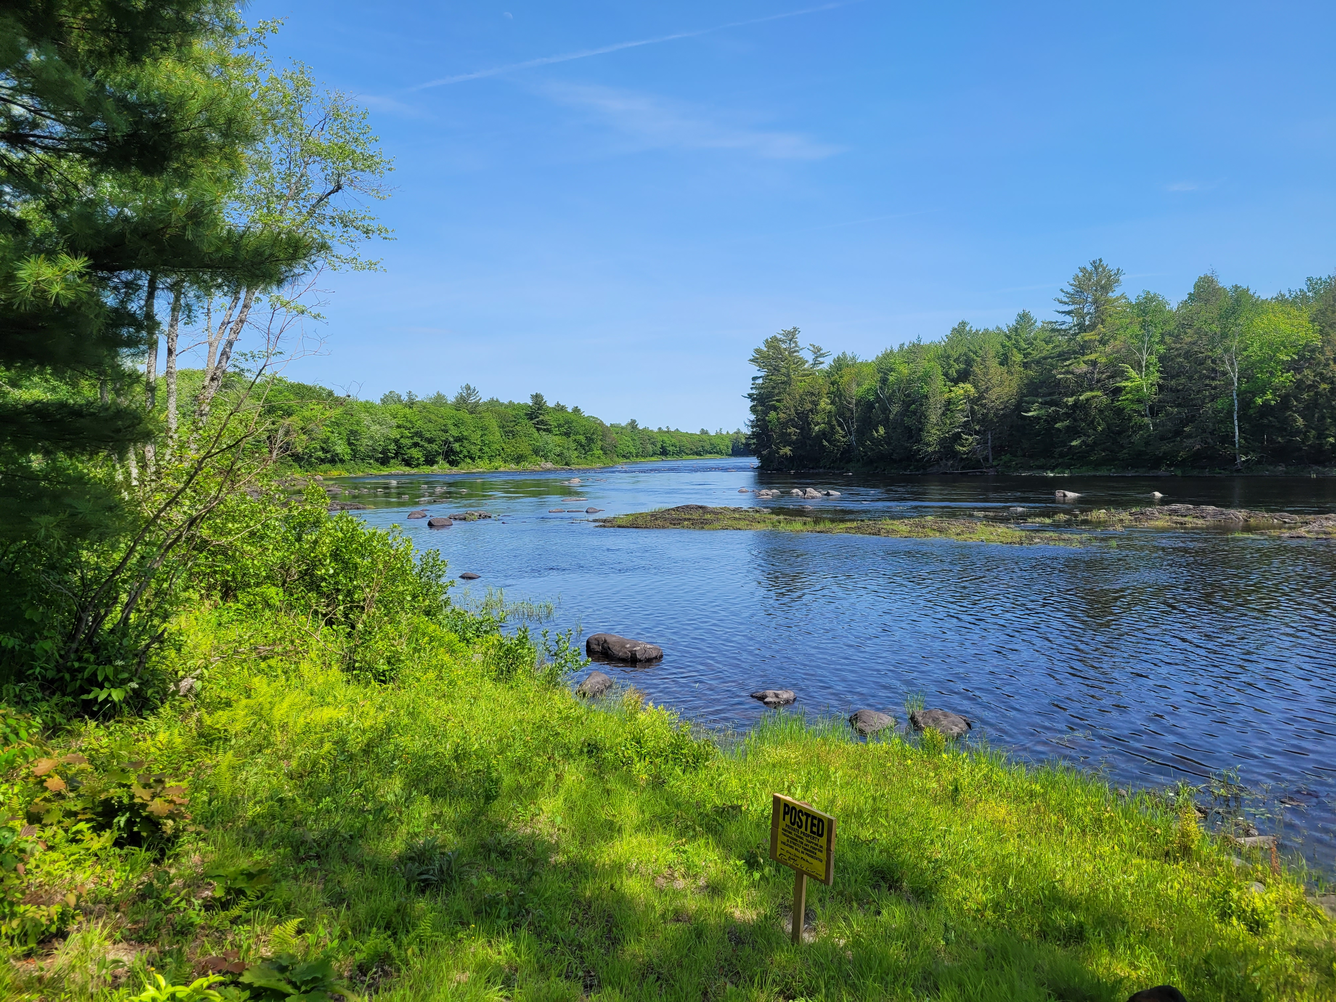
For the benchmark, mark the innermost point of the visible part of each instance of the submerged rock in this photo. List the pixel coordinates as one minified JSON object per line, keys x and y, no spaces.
{"x":469,"y":576}
{"x":420,"y":513}
{"x":615,"y":648}
{"x":951,"y":725}
{"x":470,"y":516}
{"x":1066,"y":495}
{"x":775,"y":697}
{"x":867,"y":722}
{"x":439,"y":523}
{"x":596,"y":684}
{"x":592,"y":511}
{"x":346,"y":506}
{"x":831,"y":494}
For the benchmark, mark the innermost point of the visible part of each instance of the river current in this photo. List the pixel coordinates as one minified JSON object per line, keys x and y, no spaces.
{"x":1152,"y":656}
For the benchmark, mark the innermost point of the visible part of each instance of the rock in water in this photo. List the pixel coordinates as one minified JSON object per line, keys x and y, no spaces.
{"x":870,"y":721}
{"x":796,"y":493}
{"x":595,"y":685}
{"x":615,"y":648}
{"x":1156,"y":495}
{"x":1160,"y":993}
{"x":1066,"y":495}
{"x":811,"y":493}
{"x":592,"y":511}
{"x":469,"y":576}
{"x":439,"y":523}
{"x":775,"y":697}
{"x":951,"y":725}
{"x":420,"y":513}
{"x":743,"y":490}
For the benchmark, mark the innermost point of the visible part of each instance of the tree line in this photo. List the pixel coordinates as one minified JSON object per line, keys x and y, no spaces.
{"x":1223,"y":379}
{"x":404,"y":431}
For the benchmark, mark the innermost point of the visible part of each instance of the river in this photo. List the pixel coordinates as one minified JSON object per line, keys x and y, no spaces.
{"x":1152,"y":656}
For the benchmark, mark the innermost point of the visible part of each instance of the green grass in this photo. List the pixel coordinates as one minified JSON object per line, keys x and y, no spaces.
{"x":602,"y":851}
{"x":693,"y":516}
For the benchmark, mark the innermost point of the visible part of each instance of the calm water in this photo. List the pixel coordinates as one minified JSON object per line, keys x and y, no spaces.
{"x":1154,"y":656}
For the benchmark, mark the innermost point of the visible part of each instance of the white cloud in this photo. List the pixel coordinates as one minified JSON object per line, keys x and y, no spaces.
{"x":657,"y":123}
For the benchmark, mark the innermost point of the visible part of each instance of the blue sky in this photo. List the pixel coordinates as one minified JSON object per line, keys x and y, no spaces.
{"x":614,"y":203}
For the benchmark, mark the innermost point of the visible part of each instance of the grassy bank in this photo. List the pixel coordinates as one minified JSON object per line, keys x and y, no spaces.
{"x":693,"y":516}
{"x":468,"y":832}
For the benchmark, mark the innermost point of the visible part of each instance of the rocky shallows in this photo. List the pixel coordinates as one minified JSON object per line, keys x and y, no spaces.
{"x":695,"y":516}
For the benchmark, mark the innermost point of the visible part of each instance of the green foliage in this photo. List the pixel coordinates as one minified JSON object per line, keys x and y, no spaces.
{"x":197,"y":991}
{"x":402,"y":431}
{"x":117,"y":796}
{"x":1223,"y":377}
{"x":287,"y":977}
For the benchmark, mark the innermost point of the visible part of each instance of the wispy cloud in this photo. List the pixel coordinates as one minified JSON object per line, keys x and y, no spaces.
{"x":567,"y":57}
{"x":653,"y":122}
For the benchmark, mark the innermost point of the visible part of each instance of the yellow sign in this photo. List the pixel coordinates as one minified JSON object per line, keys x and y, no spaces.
{"x":803,"y":838}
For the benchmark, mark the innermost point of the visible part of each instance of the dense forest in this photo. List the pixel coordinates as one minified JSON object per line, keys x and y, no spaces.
{"x":1223,"y":379}
{"x":329,"y":431}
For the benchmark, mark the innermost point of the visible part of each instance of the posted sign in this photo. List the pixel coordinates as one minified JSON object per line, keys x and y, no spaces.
{"x":802,"y":838}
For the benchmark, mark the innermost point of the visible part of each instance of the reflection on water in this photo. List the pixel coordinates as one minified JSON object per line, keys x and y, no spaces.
{"x":1154,"y":656}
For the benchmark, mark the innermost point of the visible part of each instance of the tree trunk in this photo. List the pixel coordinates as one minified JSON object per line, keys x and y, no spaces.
{"x":151,"y":367}
{"x":213,"y":377}
{"x":169,"y":372}
{"x":1238,"y":456}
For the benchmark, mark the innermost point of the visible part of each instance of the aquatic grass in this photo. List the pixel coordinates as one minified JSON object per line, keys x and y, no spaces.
{"x":924,"y":527}
{"x":611,"y":853}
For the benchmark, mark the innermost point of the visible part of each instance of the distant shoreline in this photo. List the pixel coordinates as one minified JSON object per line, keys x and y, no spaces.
{"x":385,"y":471}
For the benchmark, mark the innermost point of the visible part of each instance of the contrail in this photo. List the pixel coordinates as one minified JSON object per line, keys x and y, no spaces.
{"x":617,"y":47}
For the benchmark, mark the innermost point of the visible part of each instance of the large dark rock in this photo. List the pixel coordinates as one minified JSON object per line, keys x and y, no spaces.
{"x":469,"y":516}
{"x":867,"y":722}
{"x":420,"y":513}
{"x":346,"y":506}
{"x":951,"y":725}
{"x":1160,"y":993}
{"x":592,"y":511}
{"x":595,"y":685}
{"x":615,"y":648}
{"x":775,"y":697}
{"x":439,"y":523}
{"x":469,"y":576}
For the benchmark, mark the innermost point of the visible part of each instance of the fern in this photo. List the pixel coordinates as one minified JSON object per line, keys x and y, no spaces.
{"x":284,"y":938}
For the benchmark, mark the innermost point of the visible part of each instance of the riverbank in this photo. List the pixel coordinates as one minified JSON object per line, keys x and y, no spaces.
{"x":332,"y":782}
{"x":482,"y":832}
{"x":387,"y":471}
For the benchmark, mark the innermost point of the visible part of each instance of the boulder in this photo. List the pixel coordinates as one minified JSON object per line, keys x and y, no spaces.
{"x":346,"y":506}
{"x":596,"y":684}
{"x":439,"y":523}
{"x":951,"y":725}
{"x":592,"y":511}
{"x":420,"y":513}
{"x":615,"y":648}
{"x":775,"y":697}
{"x":1066,"y":495}
{"x":1258,"y":841}
{"x":555,"y":511}
{"x":811,"y":493}
{"x":1156,"y":495}
{"x":743,"y":490}
{"x":831,"y":494}
{"x":1160,"y":993}
{"x":867,"y":722}
{"x":796,"y":493}
{"x":469,"y":576}
{"x":469,"y":516}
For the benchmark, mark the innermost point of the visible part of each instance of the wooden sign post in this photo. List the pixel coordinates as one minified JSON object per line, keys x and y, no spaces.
{"x":802,"y":838}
